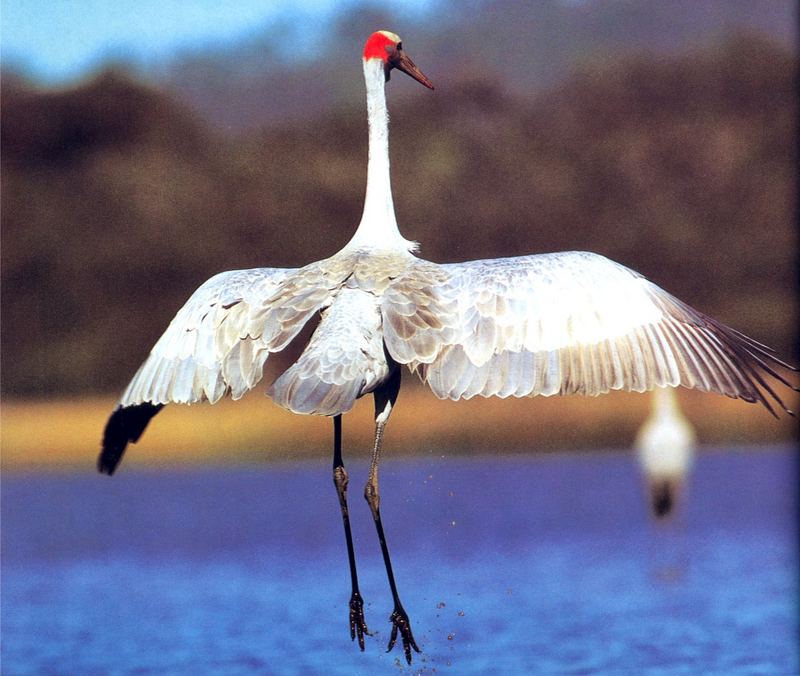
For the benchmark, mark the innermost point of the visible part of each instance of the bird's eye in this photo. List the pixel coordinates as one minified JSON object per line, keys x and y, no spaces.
{"x":399,"y":46}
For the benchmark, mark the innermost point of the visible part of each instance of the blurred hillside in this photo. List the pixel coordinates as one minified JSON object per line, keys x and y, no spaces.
{"x":298,"y":68}
{"x":117,"y":201}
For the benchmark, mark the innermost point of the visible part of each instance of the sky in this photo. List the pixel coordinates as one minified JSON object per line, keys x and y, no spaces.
{"x":58,"y":40}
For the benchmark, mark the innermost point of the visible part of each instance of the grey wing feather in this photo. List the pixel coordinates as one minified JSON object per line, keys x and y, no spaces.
{"x":564,"y":323}
{"x":220,"y":339}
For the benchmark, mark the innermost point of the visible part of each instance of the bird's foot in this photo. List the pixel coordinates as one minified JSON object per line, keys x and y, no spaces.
{"x":401,"y":623}
{"x":358,"y":626}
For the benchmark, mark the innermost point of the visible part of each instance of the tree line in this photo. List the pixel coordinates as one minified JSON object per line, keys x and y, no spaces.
{"x":117,"y":201}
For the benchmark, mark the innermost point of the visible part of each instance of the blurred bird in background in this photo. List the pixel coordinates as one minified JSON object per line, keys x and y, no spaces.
{"x":665,"y":447}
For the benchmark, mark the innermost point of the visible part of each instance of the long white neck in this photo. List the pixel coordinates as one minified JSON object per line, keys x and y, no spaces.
{"x":378,"y":226}
{"x":665,"y":404}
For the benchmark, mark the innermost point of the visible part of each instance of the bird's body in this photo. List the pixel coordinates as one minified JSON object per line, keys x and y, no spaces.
{"x":666,"y":440}
{"x":544,"y":324}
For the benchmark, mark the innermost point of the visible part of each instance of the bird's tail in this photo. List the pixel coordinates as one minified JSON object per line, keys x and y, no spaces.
{"x":300,"y":390}
{"x":126,"y":424}
{"x":344,"y":359}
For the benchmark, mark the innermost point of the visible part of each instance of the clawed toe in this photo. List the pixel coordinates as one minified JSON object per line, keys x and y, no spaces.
{"x":401,"y":623}
{"x":358,"y":626}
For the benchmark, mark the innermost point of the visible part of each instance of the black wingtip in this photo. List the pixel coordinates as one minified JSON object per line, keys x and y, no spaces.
{"x":125,"y":425}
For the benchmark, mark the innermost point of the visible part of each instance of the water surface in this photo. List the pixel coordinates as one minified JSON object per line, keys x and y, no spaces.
{"x":505,"y":565}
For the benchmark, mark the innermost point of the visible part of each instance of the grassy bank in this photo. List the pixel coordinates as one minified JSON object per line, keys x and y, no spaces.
{"x":66,"y":433}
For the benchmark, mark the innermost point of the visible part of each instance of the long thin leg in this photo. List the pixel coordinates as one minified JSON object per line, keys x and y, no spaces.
{"x":398,"y":618}
{"x":358,"y":625}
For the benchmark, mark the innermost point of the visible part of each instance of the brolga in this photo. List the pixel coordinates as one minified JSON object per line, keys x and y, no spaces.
{"x":546,"y":324}
{"x":665,"y":448}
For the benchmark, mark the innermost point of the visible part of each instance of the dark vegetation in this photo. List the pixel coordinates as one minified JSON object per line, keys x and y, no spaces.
{"x":117,"y":202}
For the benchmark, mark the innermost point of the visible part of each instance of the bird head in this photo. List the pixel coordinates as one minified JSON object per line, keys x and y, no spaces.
{"x":388,"y":48}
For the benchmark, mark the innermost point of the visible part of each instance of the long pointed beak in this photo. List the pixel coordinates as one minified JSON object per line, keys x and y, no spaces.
{"x":404,"y":63}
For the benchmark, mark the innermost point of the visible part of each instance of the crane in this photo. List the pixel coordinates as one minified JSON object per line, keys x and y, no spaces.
{"x":665,"y":447}
{"x":546,"y":324}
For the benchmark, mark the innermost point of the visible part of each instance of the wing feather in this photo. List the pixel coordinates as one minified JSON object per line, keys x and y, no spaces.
{"x":220,"y":339}
{"x":564,"y":323}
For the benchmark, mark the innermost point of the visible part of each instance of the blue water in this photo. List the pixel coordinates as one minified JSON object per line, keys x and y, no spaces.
{"x":505,"y":565}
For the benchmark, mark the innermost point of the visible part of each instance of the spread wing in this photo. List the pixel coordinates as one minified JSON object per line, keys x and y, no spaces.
{"x":563,"y":323}
{"x":220,"y":339}
{"x":216,"y":344}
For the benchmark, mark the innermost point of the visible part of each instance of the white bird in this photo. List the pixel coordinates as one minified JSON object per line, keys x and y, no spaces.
{"x":665,"y":448}
{"x":547,"y":324}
